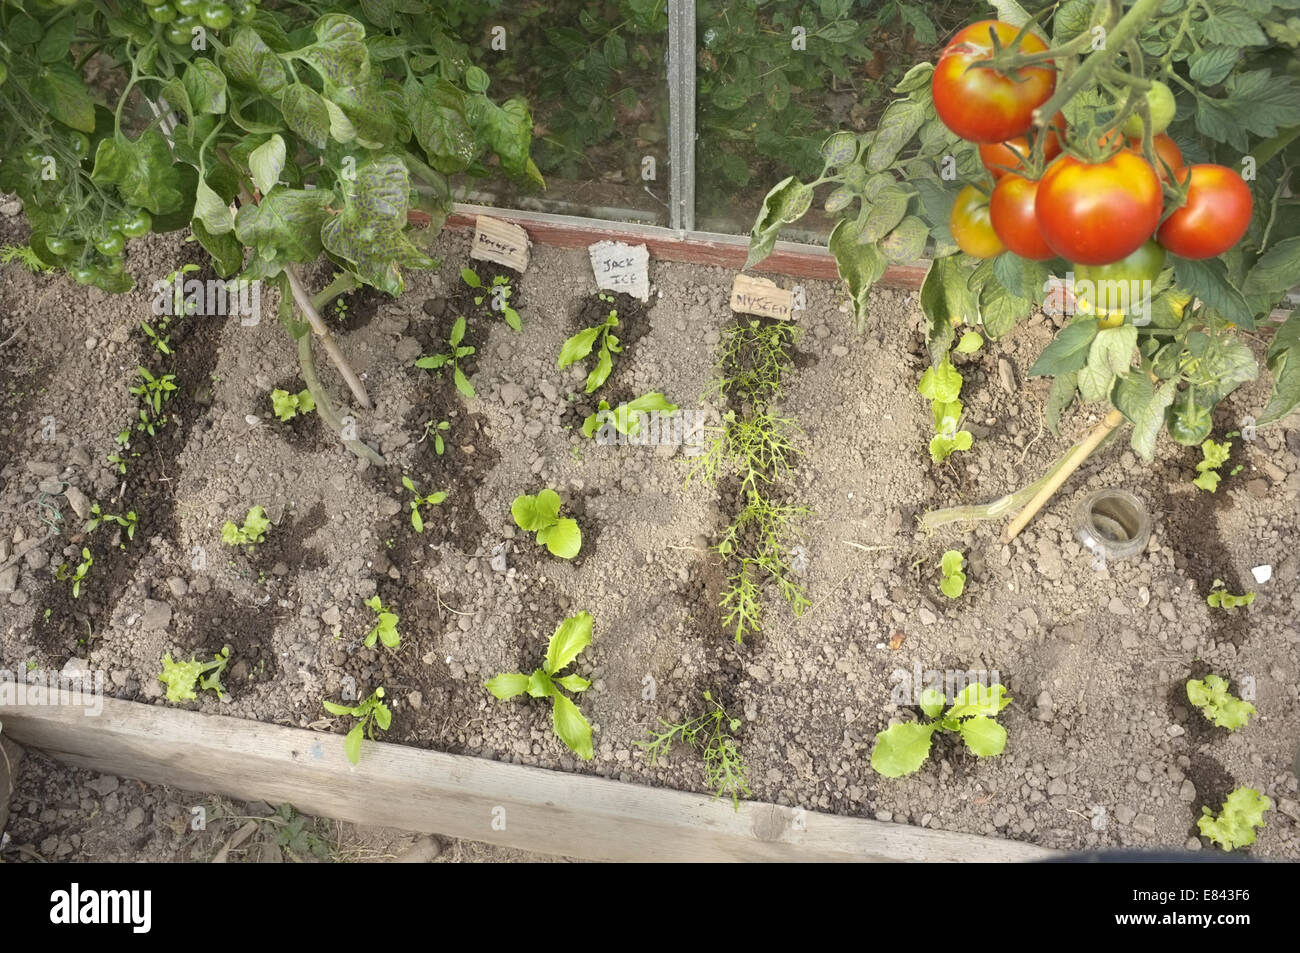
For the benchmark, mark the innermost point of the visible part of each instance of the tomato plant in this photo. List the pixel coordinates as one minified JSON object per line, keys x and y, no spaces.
{"x":1201,"y":85}
{"x":286,"y":138}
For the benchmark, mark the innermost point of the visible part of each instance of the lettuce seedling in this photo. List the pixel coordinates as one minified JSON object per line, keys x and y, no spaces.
{"x":251,"y":533}
{"x":385,"y":628}
{"x":1217,"y":704}
{"x":626,"y":418}
{"x":430,"y":430}
{"x":570,"y":638}
{"x":954,"y":580}
{"x":540,"y":514}
{"x":902,"y":749}
{"x":83,"y":569}
{"x":452,"y":357}
{"x":433,"y":499}
{"x":581,"y":344}
{"x":98,"y":517}
{"x":182,"y":677}
{"x":712,"y":734}
{"x":942,"y":386}
{"x":1213,"y":456}
{"x":154,"y":390}
{"x":1221,"y":598}
{"x":287,"y":405}
{"x":500,"y":291}
{"x":1242,"y":812}
{"x":373,"y":714}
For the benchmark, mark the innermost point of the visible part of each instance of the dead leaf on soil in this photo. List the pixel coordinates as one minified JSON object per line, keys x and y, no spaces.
{"x":896,"y":641}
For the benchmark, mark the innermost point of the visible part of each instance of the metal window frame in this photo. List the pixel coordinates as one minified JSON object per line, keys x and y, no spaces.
{"x":681,"y":115}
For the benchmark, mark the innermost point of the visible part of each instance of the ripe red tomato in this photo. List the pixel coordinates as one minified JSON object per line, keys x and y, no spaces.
{"x":1092,"y":213}
{"x":983,"y":105}
{"x":970,"y":226}
{"x":1011,"y":212}
{"x":1215,"y":217}
{"x":998,"y":157}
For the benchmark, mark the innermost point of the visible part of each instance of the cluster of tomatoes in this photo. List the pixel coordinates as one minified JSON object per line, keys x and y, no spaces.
{"x":180,"y":17}
{"x":1103,"y":216}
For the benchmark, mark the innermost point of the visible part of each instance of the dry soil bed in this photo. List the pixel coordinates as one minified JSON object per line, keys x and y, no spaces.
{"x":1103,"y":748}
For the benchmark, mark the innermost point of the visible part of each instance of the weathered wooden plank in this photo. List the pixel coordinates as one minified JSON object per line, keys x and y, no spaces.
{"x":726,"y":251}
{"x":10,"y":756}
{"x":431,"y":792}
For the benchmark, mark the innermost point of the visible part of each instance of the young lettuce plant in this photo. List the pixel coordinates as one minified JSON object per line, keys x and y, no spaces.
{"x":98,"y":517}
{"x":452,"y":357}
{"x":500,"y":292}
{"x":182,"y":677}
{"x":954,"y":580}
{"x":1213,"y":456}
{"x":287,"y":405}
{"x":902,"y":749}
{"x":626,"y":418}
{"x":570,"y":638}
{"x":540,"y":514}
{"x":582,"y":344}
{"x":251,"y":533}
{"x":1217,"y":704}
{"x":433,"y":499}
{"x":1221,"y":598}
{"x":1242,"y":812}
{"x":385,"y":627}
{"x":372,"y":712}
{"x":83,"y":570}
{"x":941,"y":386}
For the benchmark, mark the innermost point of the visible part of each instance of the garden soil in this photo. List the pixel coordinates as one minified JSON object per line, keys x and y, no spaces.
{"x":1103,"y":749}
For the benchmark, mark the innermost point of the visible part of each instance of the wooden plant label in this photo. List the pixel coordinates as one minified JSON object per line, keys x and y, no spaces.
{"x":500,"y":242}
{"x":761,"y":296}
{"x":619,"y":266}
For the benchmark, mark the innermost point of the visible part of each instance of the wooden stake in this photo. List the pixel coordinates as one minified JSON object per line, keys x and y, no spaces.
{"x":1075,"y":460}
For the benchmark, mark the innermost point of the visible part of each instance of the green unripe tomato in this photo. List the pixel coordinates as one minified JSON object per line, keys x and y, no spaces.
{"x":156,"y":3}
{"x":216,"y":15}
{"x":188,"y":8}
{"x":58,"y":245}
{"x":163,"y":13}
{"x":110,"y":244}
{"x":83,"y":274}
{"x":1160,"y":102}
{"x":78,"y":143}
{"x":34,"y":157}
{"x":135,"y":225}
{"x":178,"y":34}
{"x":1189,"y":424}
{"x":244,"y":11}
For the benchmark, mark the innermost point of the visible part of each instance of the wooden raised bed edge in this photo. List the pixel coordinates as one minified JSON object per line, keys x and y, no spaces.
{"x":551,"y":812}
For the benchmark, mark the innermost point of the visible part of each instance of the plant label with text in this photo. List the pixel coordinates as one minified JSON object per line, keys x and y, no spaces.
{"x":500,"y":242}
{"x":761,"y":296}
{"x":621,"y":267}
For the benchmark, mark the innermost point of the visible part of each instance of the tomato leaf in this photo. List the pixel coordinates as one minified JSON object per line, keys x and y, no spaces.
{"x":62,"y":90}
{"x":899,"y":124}
{"x":286,"y":225}
{"x":250,"y":62}
{"x":205,"y":87}
{"x":441,"y":126}
{"x":945,"y":299}
{"x":1150,"y":419}
{"x":266,"y":162}
{"x":306,"y":112}
{"x":1068,"y":350}
{"x":143,"y":171}
{"x":762,"y":237}
{"x":859,"y":266}
{"x":1208,"y":280}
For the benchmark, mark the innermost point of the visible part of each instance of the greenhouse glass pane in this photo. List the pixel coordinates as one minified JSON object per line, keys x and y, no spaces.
{"x":593,"y":75}
{"x":775,"y":77}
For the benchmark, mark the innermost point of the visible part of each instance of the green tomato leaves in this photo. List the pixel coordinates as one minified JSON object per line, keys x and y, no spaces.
{"x":369,"y":233}
{"x":143,"y":171}
{"x":285,"y":226}
{"x":540,"y":514}
{"x":902,"y":749}
{"x":566,"y":644}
